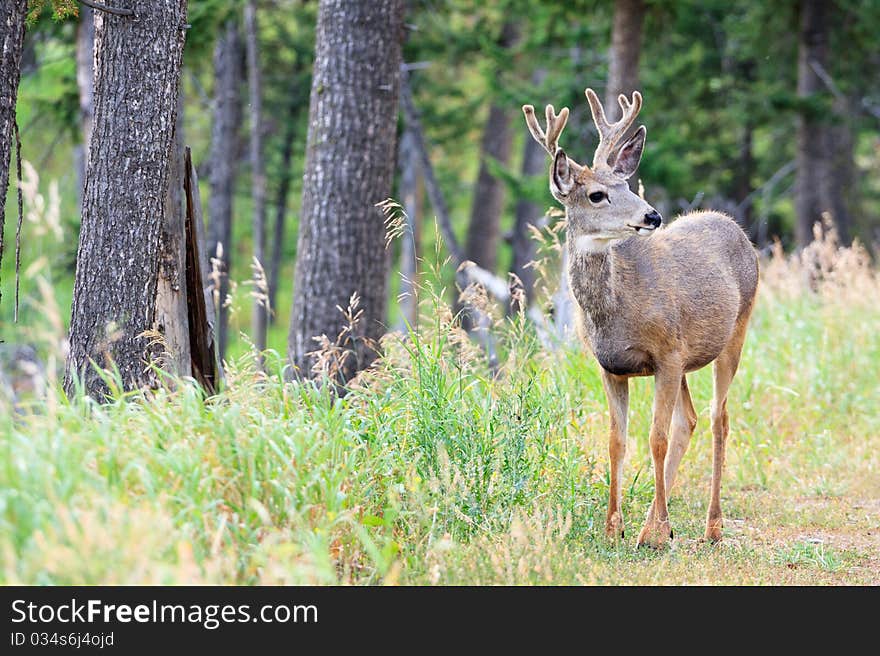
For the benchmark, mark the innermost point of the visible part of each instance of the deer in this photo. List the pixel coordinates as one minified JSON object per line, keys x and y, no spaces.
{"x":650,"y":300}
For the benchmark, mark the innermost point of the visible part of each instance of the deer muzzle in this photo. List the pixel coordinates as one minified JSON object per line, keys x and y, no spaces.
{"x":651,"y":222}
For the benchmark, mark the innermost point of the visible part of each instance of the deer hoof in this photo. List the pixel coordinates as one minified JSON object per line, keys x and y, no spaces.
{"x":614,"y":526}
{"x":656,"y":535}
{"x":713,"y":531}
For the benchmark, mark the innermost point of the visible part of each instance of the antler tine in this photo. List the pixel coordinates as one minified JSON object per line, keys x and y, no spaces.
{"x":611,"y":133}
{"x":555,"y":124}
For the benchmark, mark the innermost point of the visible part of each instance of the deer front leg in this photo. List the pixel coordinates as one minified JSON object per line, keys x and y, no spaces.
{"x":657,"y":531}
{"x":617,"y":392}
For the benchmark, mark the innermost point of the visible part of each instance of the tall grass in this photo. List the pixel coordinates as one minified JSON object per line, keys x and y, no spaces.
{"x":432,"y":471}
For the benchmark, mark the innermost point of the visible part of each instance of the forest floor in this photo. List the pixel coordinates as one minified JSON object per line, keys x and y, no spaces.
{"x":432,"y":472}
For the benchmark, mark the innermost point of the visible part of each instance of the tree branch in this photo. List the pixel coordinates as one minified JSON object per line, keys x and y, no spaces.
{"x":110,"y":10}
{"x":411,"y":116}
{"x":828,"y":81}
{"x":467,"y":272}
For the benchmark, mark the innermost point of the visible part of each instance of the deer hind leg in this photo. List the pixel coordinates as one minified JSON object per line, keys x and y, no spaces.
{"x":684,"y":420}
{"x":667,"y":381}
{"x":724,"y":370}
{"x":617,"y":392}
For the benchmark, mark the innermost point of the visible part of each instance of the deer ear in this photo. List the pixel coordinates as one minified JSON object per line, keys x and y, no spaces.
{"x":629,"y":155}
{"x":562,"y":181}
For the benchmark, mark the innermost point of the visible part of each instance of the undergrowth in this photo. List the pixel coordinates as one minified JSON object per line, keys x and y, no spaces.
{"x":431,"y":470}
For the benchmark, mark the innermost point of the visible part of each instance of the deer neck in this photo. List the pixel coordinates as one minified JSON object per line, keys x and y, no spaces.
{"x":591,"y":276}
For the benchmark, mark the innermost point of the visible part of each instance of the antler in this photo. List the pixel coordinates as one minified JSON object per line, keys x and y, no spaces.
{"x":610,"y":134}
{"x":555,"y":124}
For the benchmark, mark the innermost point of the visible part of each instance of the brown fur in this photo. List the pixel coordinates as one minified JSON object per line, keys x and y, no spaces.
{"x":662,"y":304}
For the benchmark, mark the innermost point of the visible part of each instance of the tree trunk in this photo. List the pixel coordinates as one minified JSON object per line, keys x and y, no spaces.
{"x":85,"y":80}
{"x":484,"y":229}
{"x":812,"y":142}
{"x":488,"y":203}
{"x":224,"y":146}
{"x":743,"y":180}
{"x":12,"y":14}
{"x":200,"y":309}
{"x":840,"y":190}
{"x":527,"y":213}
{"x":171,"y":295}
{"x":408,"y":191}
{"x":258,"y":179}
{"x":137,"y":74}
{"x":349,"y":168}
{"x":744,"y":70}
{"x":623,"y":60}
{"x":281,"y":209}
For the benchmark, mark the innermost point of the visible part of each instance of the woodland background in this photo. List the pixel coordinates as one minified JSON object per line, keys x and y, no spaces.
{"x":459,"y":456}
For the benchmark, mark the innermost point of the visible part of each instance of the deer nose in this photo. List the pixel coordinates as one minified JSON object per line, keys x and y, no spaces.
{"x":653,"y":219}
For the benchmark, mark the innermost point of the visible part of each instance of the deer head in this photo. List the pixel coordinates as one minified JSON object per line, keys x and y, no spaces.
{"x":599,"y":204}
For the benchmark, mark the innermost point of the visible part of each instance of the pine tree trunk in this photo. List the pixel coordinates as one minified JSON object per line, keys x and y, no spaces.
{"x":171,"y":295}
{"x":812,"y":141}
{"x":224,"y":145}
{"x":258,"y":179}
{"x":626,"y":48}
{"x":12,"y":14}
{"x":350,"y":164}
{"x":623,"y":59}
{"x":137,"y":74}
{"x":278,"y":229}
{"x":743,"y":179}
{"x":744,"y":70}
{"x":528,"y":212}
{"x":839,"y":190}
{"x":484,"y":229}
{"x":408,"y":192}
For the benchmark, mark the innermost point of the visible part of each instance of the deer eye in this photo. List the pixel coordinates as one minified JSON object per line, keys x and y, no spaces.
{"x":597,"y":196}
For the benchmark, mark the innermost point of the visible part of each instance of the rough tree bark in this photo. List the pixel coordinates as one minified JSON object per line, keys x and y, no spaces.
{"x":626,"y":48}
{"x":258,"y":178}
{"x":171,"y":296}
{"x":812,"y":141}
{"x":278,"y":227}
{"x":488,"y":203}
{"x":12,"y":15}
{"x":408,"y":190}
{"x":224,"y":144}
{"x":839,"y":188}
{"x":349,"y":168}
{"x":201,"y":318}
{"x":137,"y":74}
{"x":85,"y":80}
{"x":623,"y":58}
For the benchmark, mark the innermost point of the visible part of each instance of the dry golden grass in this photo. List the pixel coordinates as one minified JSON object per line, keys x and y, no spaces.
{"x":433,"y":471}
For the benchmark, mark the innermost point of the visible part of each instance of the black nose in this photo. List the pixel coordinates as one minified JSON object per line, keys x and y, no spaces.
{"x":653,"y":219}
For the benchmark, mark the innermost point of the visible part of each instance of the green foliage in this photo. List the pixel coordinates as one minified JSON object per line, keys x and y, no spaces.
{"x":61,"y":9}
{"x":431,"y":471}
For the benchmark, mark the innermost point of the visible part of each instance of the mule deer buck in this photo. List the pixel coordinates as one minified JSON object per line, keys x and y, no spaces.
{"x":650,"y":301}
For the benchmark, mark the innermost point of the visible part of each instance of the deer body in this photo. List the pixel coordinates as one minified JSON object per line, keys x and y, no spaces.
{"x":650,"y":301}
{"x":681,"y":291}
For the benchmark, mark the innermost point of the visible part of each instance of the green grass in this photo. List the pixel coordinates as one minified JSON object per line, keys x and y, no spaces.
{"x":429,"y":471}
